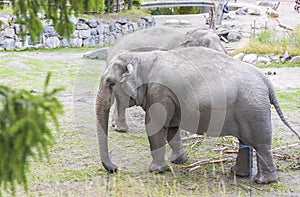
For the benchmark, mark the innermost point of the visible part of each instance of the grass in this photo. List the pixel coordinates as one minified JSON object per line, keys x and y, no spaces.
{"x":279,"y":65}
{"x":271,"y":42}
{"x":74,"y":168}
{"x":289,"y":100}
{"x":131,"y":15}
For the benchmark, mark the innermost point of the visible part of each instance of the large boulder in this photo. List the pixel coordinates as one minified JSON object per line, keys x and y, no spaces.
{"x":250,"y":58}
{"x":97,"y":54}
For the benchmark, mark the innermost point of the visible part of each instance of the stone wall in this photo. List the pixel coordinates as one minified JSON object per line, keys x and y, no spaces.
{"x":87,"y":33}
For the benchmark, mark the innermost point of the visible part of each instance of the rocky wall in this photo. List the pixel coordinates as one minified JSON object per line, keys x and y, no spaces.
{"x":87,"y":33}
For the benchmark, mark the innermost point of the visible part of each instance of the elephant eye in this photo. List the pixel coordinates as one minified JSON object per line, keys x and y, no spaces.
{"x":110,"y":83}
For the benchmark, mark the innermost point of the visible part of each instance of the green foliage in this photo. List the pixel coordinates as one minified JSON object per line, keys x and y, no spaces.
{"x":175,"y":10}
{"x":27,"y":13}
{"x":24,"y":132}
{"x":279,"y":65}
{"x":136,"y":3}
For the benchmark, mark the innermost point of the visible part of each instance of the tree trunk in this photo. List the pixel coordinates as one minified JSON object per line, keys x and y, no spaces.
{"x":130,"y":5}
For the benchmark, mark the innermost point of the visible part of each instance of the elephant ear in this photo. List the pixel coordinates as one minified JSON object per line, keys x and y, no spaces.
{"x":128,"y":81}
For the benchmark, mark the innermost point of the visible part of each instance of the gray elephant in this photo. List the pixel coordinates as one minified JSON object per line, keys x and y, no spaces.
{"x":210,"y":93}
{"x":153,"y":39}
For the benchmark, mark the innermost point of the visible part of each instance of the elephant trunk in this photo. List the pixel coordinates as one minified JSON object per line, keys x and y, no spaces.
{"x":103,"y":103}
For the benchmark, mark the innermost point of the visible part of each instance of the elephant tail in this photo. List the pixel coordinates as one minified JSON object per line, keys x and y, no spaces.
{"x":275,"y":103}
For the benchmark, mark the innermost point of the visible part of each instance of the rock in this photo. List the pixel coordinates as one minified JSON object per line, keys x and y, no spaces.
{"x":250,"y":58}
{"x":275,"y":58}
{"x":241,"y":11}
{"x":100,"y":30}
{"x":111,"y":28}
{"x":64,"y":42}
{"x":99,"y":40}
{"x":52,"y":42}
{"x":98,"y":54}
{"x":94,"y":32}
{"x":106,"y":30}
{"x":229,"y":16}
{"x":122,"y":21}
{"x":9,"y":33}
{"x":49,"y":31}
{"x":4,"y":23}
{"x":295,"y":59}
{"x":82,"y":21}
{"x":76,"y":42}
{"x":131,"y":27}
{"x":223,"y":32}
{"x":272,"y":13}
{"x":234,"y":36}
{"x":263,"y":60}
{"x":111,"y":39}
{"x":2,"y":39}
{"x":172,"y":22}
{"x":18,"y":45}
{"x":140,"y":23}
{"x":9,"y":44}
{"x":286,"y":57}
{"x":89,"y":42}
{"x":184,"y":22}
{"x":85,"y":33}
{"x":254,"y":11}
{"x":82,"y":26}
{"x":73,"y":19}
{"x":239,"y":56}
{"x":92,"y":24}
{"x":272,"y":4}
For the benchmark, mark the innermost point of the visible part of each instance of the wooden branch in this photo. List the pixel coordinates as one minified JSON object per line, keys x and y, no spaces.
{"x":192,"y":137}
{"x":285,"y":26}
{"x":211,"y":162}
{"x":286,"y":146}
{"x":196,"y":163}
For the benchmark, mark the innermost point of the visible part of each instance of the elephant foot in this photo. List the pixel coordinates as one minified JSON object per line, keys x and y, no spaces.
{"x":240,"y":172}
{"x":110,"y":167}
{"x":158,"y":168}
{"x":122,"y":128}
{"x":174,"y":158}
{"x":265,"y":178}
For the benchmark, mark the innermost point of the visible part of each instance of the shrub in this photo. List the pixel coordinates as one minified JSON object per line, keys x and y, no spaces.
{"x":272,"y":42}
{"x":24,"y":132}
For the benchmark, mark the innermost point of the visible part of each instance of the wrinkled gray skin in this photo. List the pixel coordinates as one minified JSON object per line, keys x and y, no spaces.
{"x":153,"y":39}
{"x":209,"y":93}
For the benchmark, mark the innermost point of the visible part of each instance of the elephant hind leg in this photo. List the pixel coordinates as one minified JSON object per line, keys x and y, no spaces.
{"x":266,"y":170}
{"x":242,"y":166}
{"x":178,"y":155}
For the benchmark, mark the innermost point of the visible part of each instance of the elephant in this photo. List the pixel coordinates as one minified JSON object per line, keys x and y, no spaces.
{"x":196,"y":89}
{"x":163,"y":39}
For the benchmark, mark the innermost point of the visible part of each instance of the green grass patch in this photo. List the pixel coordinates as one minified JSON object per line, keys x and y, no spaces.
{"x":271,"y":42}
{"x":132,"y":15}
{"x":289,"y":100}
{"x":279,"y":65}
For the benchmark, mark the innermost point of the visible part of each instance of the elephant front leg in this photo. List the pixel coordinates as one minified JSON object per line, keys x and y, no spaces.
{"x":158,"y":118}
{"x":120,"y":117}
{"x":242,"y":166}
{"x":178,"y":155}
{"x":158,"y":150}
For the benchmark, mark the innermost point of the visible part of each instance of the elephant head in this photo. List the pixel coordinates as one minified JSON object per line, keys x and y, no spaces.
{"x":203,"y":37}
